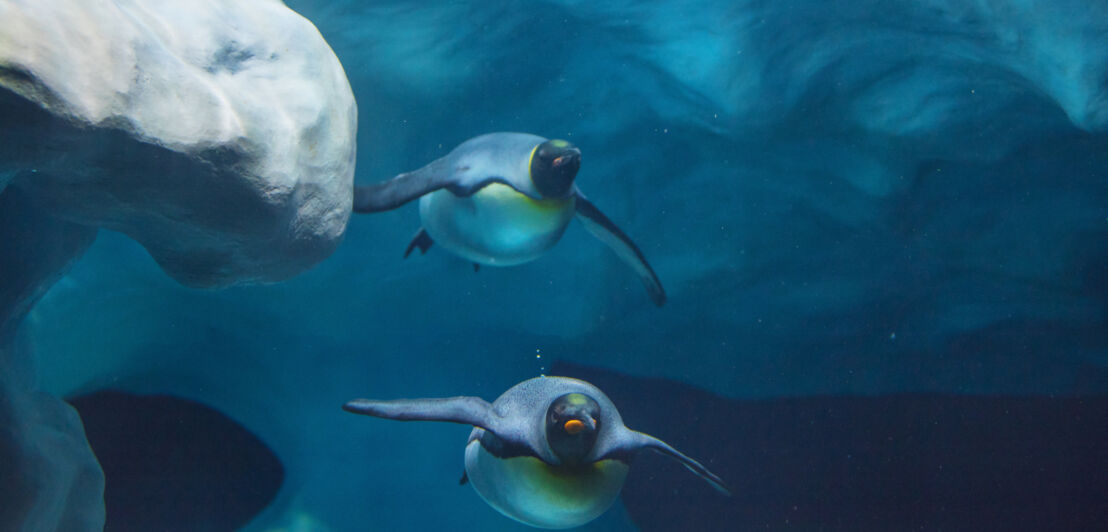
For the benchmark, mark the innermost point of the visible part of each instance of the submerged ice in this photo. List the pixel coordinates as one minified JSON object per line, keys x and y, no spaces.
{"x":840,"y":197}
{"x":219,"y":136}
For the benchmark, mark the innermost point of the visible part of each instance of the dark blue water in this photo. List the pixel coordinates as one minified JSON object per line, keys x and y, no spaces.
{"x":882,"y":226}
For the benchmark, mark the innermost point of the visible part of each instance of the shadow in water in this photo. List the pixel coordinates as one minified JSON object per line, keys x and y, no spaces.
{"x":883,"y":463}
{"x":172,"y":464}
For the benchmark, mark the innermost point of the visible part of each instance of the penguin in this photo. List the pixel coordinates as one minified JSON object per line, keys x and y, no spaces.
{"x":551,"y":452}
{"x":502,"y":199}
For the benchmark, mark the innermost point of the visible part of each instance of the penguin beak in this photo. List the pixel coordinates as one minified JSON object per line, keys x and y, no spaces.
{"x":574,"y":155}
{"x":575,"y":426}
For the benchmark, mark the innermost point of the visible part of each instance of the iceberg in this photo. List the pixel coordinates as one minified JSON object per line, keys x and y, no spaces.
{"x":220,"y":136}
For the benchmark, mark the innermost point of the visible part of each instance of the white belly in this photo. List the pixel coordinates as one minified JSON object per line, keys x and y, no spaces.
{"x":536,"y":494}
{"x":496,"y":226}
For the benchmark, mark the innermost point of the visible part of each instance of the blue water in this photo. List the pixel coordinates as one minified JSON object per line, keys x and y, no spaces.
{"x":842,"y":198}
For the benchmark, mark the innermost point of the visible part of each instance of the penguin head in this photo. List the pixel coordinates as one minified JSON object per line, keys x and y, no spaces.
{"x":554,"y":164}
{"x":571,"y":427}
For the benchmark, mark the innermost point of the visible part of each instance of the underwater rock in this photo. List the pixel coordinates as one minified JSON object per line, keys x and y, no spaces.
{"x":219,"y":135}
{"x":36,"y":249}
{"x":893,"y":462}
{"x":172,"y":464}
{"x":49,"y":478}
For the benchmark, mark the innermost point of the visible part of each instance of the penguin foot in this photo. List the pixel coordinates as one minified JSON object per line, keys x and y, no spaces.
{"x":422,"y":240}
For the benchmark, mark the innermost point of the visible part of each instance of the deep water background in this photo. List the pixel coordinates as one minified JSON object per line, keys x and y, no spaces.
{"x":842,"y":198}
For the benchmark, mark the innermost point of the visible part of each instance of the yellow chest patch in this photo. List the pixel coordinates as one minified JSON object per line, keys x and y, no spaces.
{"x":505,"y":196}
{"x":496,"y":225}
{"x":538,"y":494}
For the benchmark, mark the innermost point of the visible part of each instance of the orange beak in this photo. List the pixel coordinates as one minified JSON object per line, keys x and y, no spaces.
{"x":574,"y":426}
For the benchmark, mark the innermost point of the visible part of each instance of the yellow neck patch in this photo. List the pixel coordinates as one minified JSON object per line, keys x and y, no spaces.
{"x":531,"y":162}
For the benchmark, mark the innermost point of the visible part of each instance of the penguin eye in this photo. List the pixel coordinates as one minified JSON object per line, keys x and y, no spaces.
{"x":559,"y":161}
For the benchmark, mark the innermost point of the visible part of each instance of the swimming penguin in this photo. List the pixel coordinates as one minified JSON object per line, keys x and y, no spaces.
{"x":551,"y":452}
{"x":502,"y":199}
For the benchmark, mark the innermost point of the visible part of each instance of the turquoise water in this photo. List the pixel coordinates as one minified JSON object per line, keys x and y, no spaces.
{"x":865,"y":215}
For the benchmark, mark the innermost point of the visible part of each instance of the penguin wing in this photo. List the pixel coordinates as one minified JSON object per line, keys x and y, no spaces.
{"x":627,"y":442}
{"x":465,"y":410}
{"x":441,"y":173}
{"x":603,"y":229}
{"x":403,"y":188}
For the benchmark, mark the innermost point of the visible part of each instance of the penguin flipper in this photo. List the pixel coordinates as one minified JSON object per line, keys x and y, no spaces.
{"x":604,"y":230}
{"x":628,"y":442}
{"x":403,"y":188}
{"x":465,"y":410}
{"x":421,"y":240}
